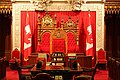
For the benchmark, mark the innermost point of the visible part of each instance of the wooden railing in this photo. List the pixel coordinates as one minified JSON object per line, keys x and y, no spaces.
{"x":114,"y":68}
{"x":2,"y":68}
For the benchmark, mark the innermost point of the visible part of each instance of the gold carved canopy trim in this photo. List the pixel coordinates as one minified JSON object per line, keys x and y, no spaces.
{"x":70,"y":24}
{"x":48,"y":22}
{"x":45,"y":24}
{"x":59,"y":33}
{"x":112,"y":7}
{"x":5,"y":7}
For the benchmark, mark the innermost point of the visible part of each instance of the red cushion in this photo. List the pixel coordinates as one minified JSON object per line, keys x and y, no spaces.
{"x":58,"y":45}
{"x":102,"y":60}
{"x":12,"y":60}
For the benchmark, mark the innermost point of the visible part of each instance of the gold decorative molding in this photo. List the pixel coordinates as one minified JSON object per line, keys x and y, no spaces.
{"x":5,"y":7}
{"x":112,"y":7}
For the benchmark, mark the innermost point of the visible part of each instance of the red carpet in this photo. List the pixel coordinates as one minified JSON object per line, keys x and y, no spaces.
{"x":101,"y":75}
{"x":13,"y":75}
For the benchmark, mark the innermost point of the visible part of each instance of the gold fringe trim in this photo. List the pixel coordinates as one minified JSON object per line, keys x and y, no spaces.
{"x":5,"y":9}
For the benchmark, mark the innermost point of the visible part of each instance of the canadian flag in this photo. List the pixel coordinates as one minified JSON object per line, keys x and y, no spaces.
{"x":89,"y":38}
{"x":27,"y":39}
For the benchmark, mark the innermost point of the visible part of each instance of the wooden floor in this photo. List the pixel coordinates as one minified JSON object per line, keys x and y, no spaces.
{"x":13,"y":75}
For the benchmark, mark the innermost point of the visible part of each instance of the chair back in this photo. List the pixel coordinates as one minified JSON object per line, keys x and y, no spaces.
{"x":15,"y":54}
{"x":43,"y":76}
{"x":71,"y":43}
{"x":23,"y":71}
{"x":101,"y":54}
{"x":86,"y":76}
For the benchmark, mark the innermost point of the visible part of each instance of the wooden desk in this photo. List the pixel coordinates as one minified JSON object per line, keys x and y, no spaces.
{"x":85,"y":61}
{"x":32,"y":59}
{"x":65,"y":72}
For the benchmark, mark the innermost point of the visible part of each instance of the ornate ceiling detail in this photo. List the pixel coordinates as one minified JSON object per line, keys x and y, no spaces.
{"x":5,"y":7}
{"x":41,"y":4}
{"x":112,"y":7}
{"x":76,"y":4}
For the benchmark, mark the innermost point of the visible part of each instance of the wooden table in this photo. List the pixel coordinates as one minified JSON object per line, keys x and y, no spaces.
{"x":56,"y":71}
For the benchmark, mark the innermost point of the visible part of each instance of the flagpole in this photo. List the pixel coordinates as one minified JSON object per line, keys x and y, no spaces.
{"x":27,"y":39}
{"x":21,"y":58}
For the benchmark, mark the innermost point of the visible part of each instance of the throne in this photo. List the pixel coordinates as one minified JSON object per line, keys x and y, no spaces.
{"x":59,"y":41}
{"x":52,"y":38}
{"x":49,"y":34}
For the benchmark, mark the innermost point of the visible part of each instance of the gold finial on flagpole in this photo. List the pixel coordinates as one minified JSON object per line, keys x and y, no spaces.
{"x":89,"y":13}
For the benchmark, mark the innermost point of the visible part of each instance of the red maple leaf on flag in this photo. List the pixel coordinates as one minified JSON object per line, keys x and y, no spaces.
{"x":27,"y":39}
{"x":28,"y":35}
{"x":89,"y":38}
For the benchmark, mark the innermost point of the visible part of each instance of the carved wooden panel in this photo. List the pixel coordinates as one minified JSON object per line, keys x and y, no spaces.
{"x":48,"y":24}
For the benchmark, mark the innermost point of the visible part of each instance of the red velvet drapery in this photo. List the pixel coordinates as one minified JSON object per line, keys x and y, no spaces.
{"x":33,"y":16}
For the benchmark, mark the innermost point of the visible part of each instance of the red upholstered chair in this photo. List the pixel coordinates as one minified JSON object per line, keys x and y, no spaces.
{"x":101,"y":57}
{"x":15,"y":57}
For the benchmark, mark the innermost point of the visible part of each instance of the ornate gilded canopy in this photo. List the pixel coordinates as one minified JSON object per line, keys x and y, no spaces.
{"x":5,"y":6}
{"x":112,"y":7}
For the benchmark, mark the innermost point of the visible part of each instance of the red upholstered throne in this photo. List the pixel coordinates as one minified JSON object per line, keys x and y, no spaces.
{"x":53,"y":38}
{"x":72,"y":46}
{"x":45,"y":43}
{"x":72,"y":29}
{"x":15,"y":57}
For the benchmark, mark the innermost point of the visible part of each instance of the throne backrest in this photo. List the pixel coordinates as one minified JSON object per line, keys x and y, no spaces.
{"x":71,"y":42}
{"x":59,"y":41}
{"x":46,"y":26}
{"x":72,"y":30}
{"x":45,"y":42}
